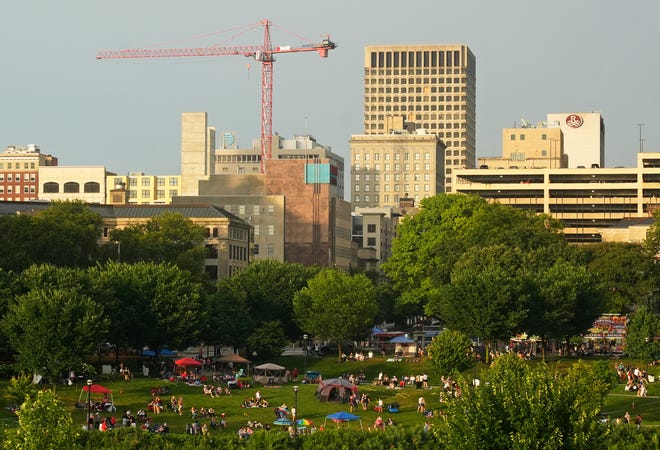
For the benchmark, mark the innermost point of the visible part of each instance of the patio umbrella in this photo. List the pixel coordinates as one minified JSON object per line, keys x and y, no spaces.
{"x":304,"y":423}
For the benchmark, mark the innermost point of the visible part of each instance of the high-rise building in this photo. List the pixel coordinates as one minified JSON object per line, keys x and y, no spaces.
{"x":431,"y":87}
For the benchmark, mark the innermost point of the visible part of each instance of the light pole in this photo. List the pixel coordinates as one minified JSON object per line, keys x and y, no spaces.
{"x":295,"y":411}
{"x":647,"y":353}
{"x":89,"y":405}
{"x":305,"y":353}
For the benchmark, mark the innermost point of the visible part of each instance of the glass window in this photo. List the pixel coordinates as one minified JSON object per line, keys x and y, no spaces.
{"x":71,"y":187}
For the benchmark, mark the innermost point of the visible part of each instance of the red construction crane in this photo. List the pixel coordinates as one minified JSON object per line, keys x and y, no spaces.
{"x":263,"y":53}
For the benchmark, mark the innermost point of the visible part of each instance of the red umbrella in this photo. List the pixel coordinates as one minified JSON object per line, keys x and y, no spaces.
{"x":187,"y":362}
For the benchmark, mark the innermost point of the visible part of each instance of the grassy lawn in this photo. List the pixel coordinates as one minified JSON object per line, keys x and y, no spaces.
{"x":136,"y":394}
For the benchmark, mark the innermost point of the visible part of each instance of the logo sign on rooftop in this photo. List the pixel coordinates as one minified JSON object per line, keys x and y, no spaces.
{"x":574,"y":120}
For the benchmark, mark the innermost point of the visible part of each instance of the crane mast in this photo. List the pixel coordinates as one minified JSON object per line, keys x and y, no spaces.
{"x":263,"y":53}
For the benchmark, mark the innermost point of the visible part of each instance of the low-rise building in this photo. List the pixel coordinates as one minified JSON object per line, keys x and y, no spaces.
{"x":19,"y":172}
{"x":587,"y":200}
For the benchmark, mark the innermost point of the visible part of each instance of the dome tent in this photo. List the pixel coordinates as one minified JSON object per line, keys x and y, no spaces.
{"x":335,"y":390}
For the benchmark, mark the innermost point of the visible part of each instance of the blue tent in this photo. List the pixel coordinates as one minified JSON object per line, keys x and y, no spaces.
{"x":403,"y":339}
{"x":342,"y":416}
{"x":164,"y":352}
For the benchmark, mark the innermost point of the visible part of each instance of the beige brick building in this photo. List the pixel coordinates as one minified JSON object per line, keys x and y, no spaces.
{"x":138,"y":188}
{"x":431,"y":86}
{"x":529,"y":147}
{"x":387,"y":167}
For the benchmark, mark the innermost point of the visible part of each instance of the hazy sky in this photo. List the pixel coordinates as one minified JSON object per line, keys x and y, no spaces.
{"x":533,"y":57}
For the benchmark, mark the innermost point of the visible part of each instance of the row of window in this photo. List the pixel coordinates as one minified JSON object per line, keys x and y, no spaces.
{"x":386,"y":188}
{"x":425,"y":107}
{"x":522,"y":137}
{"x":254,"y":210}
{"x":146,"y":181}
{"x":238,"y":253}
{"x":395,"y":176}
{"x":397,"y":72}
{"x":376,"y":198}
{"x":17,"y":189}
{"x":146,"y":193}
{"x":17,"y":165}
{"x":17,"y":177}
{"x":388,"y":167}
{"x":270,"y":230}
{"x":234,"y":158}
{"x":443,"y":82}
{"x":397,"y":156}
{"x":71,"y":187}
{"x":424,"y":58}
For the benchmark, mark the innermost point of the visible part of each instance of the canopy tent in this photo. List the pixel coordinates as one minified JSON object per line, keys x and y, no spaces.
{"x":96,"y":389}
{"x":231,"y":359}
{"x":404,"y":345}
{"x":187,"y":362}
{"x":341,"y":417}
{"x":164,"y":352}
{"x":335,"y":390}
{"x":270,"y":373}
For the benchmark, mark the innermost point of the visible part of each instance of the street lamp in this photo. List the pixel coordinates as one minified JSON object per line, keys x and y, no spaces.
{"x":89,"y":405}
{"x":305,"y":353}
{"x":295,"y":411}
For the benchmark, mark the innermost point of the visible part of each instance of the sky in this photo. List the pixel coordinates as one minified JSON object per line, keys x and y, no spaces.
{"x":533,"y":58}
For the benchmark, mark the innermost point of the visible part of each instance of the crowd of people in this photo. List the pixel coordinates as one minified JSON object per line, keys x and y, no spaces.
{"x":636,"y":379}
{"x":420,"y":381}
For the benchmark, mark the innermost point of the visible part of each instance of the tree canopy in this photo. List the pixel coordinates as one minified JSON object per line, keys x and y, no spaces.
{"x":169,"y":237}
{"x":522,"y":406}
{"x":52,"y":330}
{"x":269,"y":287}
{"x":336,"y":306}
{"x":429,"y":244}
{"x":150,"y":304}
{"x":65,"y":234}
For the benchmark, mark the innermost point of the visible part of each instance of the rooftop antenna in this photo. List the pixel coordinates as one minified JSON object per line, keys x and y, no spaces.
{"x":641,"y":141}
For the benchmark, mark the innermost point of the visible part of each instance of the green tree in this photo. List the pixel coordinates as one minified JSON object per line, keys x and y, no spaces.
{"x":336,"y":306}
{"x":150,"y":304}
{"x":230,"y":321}
{"x":450,"y":353}
{"x":53,"y":330}
{"x":523,"y":406}
{"x":569,"y":299}
{"x":66,"y":234}
{"x":167,"y":238}
{"x":17,"y":238}
{"x":43,"y":422}
{"x":488,"y":296}
{"x":267,"y":340}
{"x":642,"y":328}
{"x":429,"y":243}
{"x":625,"y":270}
{"x":269,"y":287}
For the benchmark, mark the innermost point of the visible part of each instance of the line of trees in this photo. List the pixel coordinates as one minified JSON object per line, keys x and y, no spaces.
{"x":486,"y":270}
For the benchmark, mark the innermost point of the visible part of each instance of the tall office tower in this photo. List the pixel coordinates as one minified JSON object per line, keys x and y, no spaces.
{"x":429,"y":86}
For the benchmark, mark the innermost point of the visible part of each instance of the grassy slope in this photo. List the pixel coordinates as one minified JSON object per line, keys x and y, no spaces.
{"x":136,"y":394}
